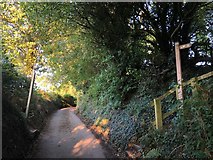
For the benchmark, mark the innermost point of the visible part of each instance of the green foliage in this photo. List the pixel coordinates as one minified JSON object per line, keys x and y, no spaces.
{"x":154,"y":153}
{"x":68,"y":99}
{"x":190,"y":135}
{"x":186,"y":134}
{"x":120,"y":57}
{"x":105,"y":88}
{"x":129,"y":27}
{"x":132,"y":118}
{"x":79,"y":64}
{"x":107,"y":53}
{"x":17,"y":139}
{"x":14,"y":84}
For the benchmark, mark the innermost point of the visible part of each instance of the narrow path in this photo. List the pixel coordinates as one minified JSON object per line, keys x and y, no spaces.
{"x":65,"y":136}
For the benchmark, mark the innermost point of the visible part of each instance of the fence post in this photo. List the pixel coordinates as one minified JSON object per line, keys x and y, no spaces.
{"x":158,"y":114}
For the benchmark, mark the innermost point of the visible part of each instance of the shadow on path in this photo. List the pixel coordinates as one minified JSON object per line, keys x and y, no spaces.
{"x":65,"y":136}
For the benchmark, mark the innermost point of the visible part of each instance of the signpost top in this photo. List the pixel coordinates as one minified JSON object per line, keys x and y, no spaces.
{"x":184,"y":46}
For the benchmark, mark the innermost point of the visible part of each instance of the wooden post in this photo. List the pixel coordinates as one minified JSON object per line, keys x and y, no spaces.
{"x":179,"y":92}
{"x":30,"y":92}
{"x":158,"y":114}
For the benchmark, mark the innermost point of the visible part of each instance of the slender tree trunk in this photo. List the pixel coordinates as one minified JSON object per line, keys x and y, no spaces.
{"x":30,"y":91}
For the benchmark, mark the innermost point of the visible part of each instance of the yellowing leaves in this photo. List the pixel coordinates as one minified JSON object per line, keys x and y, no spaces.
{"x":31,"y":50}
{"x":12,"y":9}
{"x":18,"y":37}
{"x":70,"y":47}
{"x":104,"y":122}
{"x":14,"y":19}
{"x":100,"y":127}
{"x":30,"y":44}
{"x":101,"y":122}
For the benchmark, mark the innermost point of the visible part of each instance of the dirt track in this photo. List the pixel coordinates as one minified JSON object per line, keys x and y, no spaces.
{"x":65,"y":136}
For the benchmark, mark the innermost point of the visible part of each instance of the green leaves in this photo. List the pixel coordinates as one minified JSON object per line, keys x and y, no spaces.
{"x":154,"y":153}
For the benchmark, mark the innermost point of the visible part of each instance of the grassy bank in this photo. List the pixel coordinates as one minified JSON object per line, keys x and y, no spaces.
{"x":19,"y":132}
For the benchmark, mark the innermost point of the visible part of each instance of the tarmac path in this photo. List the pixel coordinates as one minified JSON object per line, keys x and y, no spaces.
{"x":65,"y":136}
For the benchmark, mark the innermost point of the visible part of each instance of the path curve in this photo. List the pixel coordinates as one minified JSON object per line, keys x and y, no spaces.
{"x":65,"y":136}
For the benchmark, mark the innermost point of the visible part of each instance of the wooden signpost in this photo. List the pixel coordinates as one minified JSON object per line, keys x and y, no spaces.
{"x":178,"y":47}
{"x":184,"y":46}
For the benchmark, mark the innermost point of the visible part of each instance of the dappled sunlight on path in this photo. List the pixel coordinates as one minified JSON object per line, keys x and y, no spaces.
{"x":65,"y":136}
{"x":83,"y":145}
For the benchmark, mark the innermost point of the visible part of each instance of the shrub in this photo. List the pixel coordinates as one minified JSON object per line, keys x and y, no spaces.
{"x":69,"y":100}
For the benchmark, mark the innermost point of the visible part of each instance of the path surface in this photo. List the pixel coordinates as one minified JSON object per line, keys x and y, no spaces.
{"x":65,"y":136}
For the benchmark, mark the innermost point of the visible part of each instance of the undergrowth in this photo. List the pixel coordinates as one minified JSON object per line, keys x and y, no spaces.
{"x":186,"y":134}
